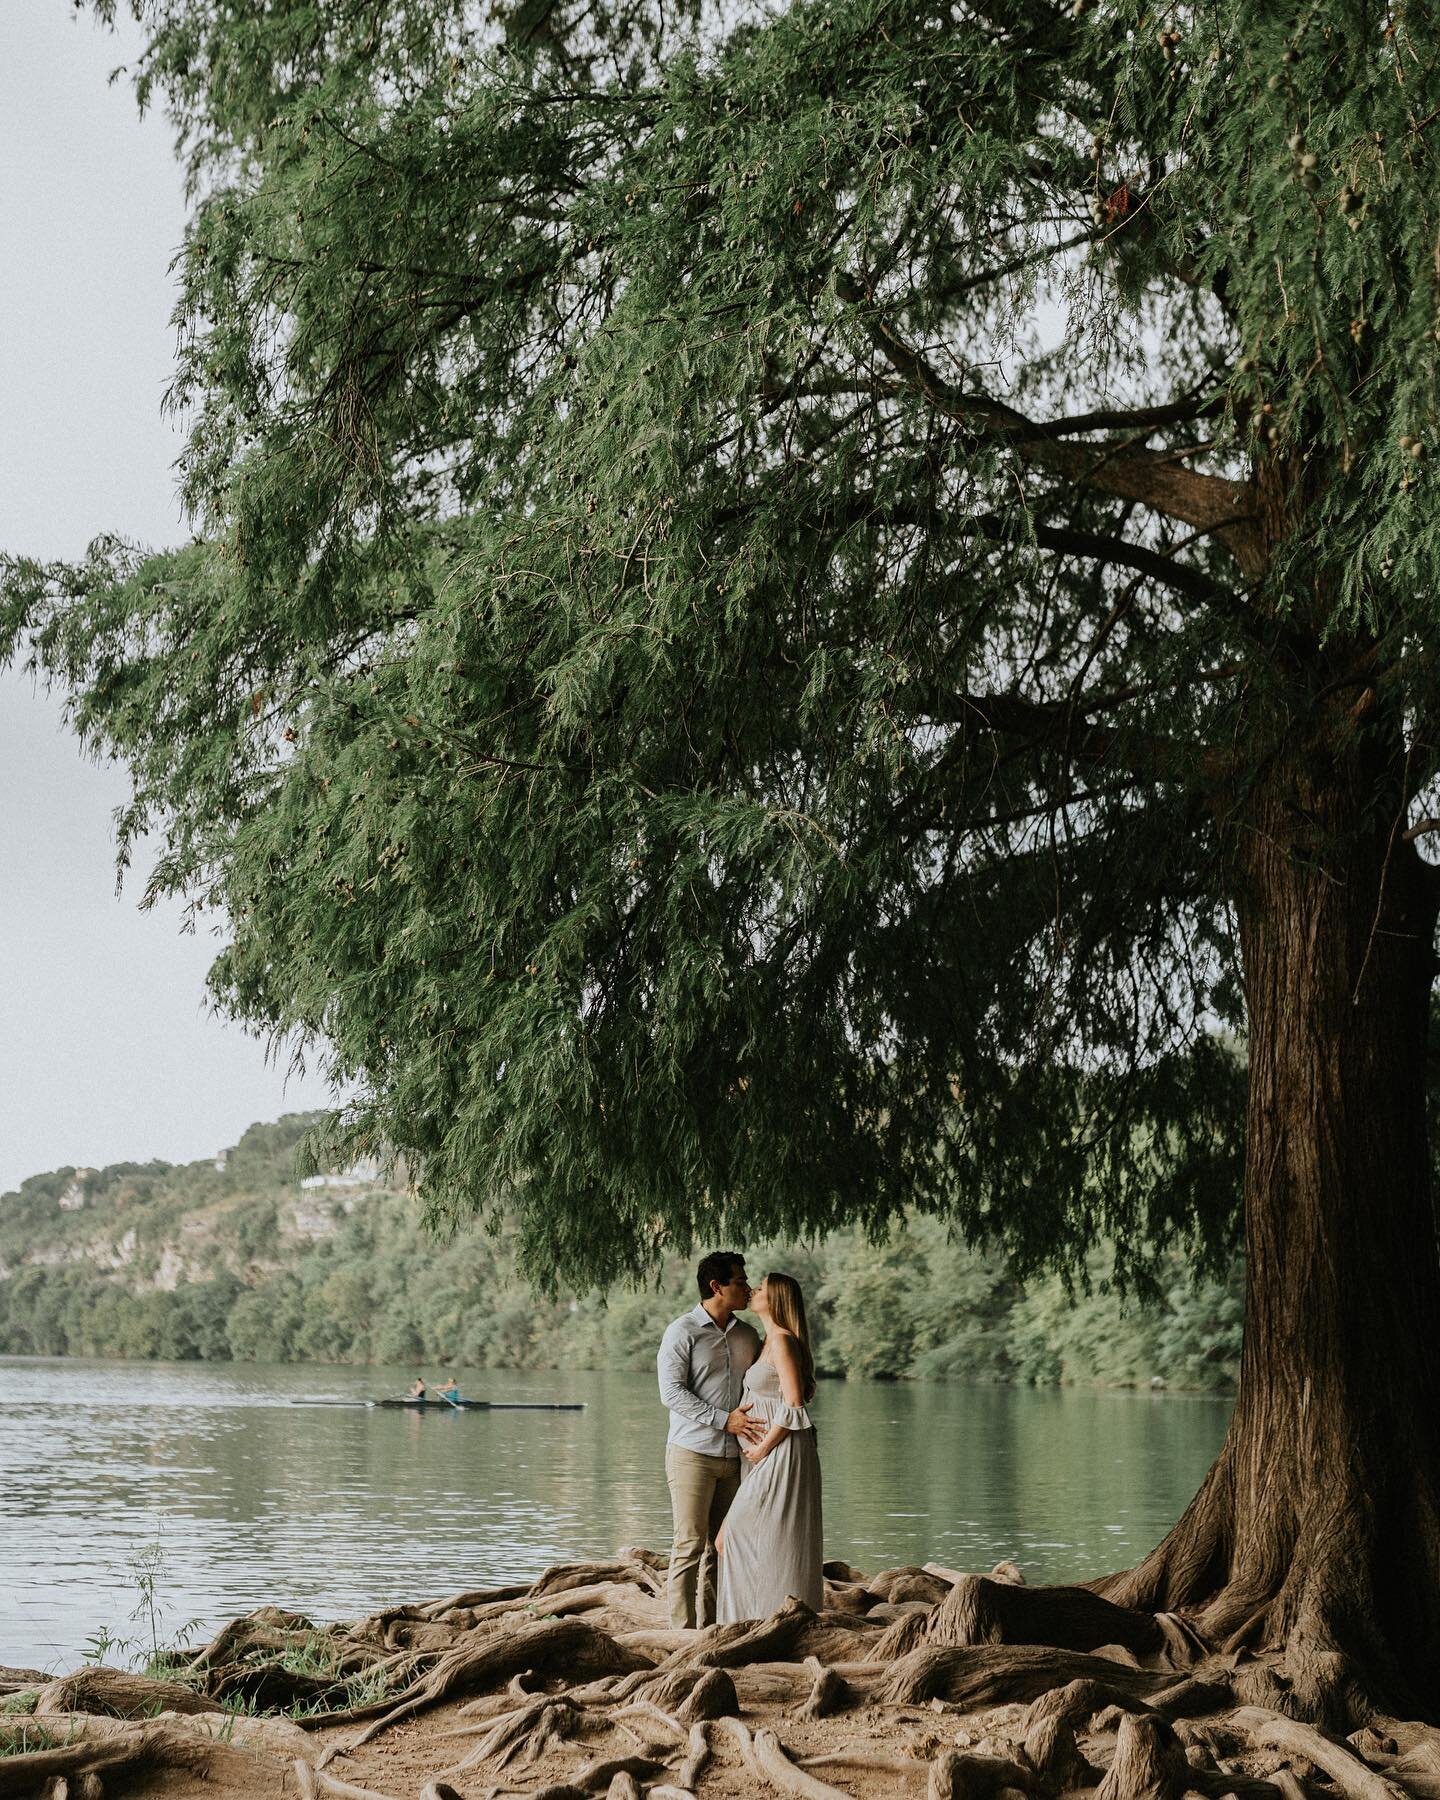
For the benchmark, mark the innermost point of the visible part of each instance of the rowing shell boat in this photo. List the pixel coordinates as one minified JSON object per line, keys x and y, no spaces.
{"x":486,"y":1405}
{"x":455,"y":1405}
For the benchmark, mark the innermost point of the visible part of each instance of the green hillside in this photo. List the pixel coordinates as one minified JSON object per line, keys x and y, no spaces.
{"x":235,"y":1259}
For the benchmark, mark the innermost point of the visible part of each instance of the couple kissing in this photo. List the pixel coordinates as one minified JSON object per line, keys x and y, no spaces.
{"x":740,"y":1458}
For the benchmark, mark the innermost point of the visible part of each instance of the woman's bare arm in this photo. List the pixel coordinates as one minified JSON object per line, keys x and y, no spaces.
{"x":787,"y":1367}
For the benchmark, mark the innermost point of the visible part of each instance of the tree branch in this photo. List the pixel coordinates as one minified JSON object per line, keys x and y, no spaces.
{"x":1071,"y":727}
{"x":1220,"y":508}
{"x":1114,"y":551}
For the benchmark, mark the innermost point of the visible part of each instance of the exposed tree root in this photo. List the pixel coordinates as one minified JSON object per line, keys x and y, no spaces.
{"x":790,"y":1634}
{"x":526,"y":1735}
{"x":17,"y":1681}
{"x":1051,"y":1751}
{"x":118,"y":1694}
{"x":977,"y":1675}
{"x":597,"y":1777}
{"x":830,"y":1694}
{"x":565,"y":1708}
{"x":979,"y":1610}
{"x":697,"y":1754}
{"x":765,"y":1756}
{"x":105,"y":1748}
{"x":1344,"y":1766}
{"x":567,"y":1646}
{"x":315,"y":1784}
{"x":1149,"y":1763}
{"x":712,"y":1697}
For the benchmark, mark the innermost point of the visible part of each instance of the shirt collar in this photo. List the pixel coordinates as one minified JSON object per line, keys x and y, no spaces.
{"x":701,"y":1317}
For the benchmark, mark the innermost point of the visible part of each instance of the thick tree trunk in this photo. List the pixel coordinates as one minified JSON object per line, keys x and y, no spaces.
{"x":1318,"y":1529}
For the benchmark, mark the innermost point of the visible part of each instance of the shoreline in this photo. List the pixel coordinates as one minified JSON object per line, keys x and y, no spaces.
{"x":910,"y":1681}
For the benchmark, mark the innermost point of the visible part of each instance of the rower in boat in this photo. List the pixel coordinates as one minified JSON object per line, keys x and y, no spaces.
{"x":418,"y":1391}
{"x":451,"y":1391}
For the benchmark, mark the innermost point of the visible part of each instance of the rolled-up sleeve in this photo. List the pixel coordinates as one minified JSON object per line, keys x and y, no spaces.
{"x":673,"y":1367}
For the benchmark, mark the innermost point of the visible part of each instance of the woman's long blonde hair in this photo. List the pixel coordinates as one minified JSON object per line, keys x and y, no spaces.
{"x":787,"y":1309}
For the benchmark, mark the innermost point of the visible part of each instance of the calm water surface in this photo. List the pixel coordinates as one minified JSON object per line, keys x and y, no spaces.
{"x":335,"y":1511}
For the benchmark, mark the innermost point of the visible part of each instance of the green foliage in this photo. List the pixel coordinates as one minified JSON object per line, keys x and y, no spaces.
{"x":379,"y":1288}
{"x":744,"y":585}
{"x":145,"y":1572}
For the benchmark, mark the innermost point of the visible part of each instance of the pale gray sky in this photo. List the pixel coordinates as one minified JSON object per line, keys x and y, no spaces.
{"x":107,"y":1050}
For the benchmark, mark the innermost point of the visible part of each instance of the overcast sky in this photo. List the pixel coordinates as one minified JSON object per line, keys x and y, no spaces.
{"x":107,"y":1050}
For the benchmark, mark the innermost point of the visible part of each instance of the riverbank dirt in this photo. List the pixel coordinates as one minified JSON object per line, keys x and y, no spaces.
{"x":919,"y":1682}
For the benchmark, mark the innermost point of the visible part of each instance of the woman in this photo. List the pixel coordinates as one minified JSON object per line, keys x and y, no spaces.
{"x":770,"y":1542}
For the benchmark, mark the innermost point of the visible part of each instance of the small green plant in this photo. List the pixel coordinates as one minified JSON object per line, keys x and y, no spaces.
{"x":101,"y":1642}
{"x":146,"y":1568}
{"x":23,"y":1702}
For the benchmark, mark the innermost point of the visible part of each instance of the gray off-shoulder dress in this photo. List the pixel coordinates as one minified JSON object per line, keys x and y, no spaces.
{"x":772,"y":1531}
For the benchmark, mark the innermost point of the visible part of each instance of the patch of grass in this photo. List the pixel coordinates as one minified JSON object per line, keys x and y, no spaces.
{"x":173,"y":1665}
{"x":25,"y":1738}
{"x":366,"y":1688}
{"x":23,"y":1702}
{"x":360,"y":1689}
{"x":319,"y":1657}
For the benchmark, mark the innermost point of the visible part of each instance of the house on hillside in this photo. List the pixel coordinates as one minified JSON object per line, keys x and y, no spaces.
{"x":364,"y":1173}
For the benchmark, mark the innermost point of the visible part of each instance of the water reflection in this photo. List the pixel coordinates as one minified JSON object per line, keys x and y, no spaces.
{"x":334,"y":1510}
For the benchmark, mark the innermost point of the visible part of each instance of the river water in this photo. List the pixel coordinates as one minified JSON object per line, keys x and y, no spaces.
{"x":337,"y":1510}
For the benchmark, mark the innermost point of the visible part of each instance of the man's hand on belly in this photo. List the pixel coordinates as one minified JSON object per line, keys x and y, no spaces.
{"x":742,"y":1426}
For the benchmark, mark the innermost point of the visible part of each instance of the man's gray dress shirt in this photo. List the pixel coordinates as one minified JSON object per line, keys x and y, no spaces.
{"x":702,"y":1370}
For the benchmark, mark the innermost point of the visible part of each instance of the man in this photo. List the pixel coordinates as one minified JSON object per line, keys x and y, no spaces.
{"x":702,"y":1363}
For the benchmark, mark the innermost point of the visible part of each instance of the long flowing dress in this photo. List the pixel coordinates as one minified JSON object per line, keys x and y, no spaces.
{"x":772,"y":1531}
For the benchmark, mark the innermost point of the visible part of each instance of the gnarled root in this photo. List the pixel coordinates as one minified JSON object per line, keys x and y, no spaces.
{"x":979,"y":1610}
{"x":118,"y":1694}
{"x":525,"y":1735}
{"x":1078,"y":1701}
{"x":103,"y":1747}
{"x":1149,"y":1763}
{"x":830,"y":1694}
{"x":712,"y":1697}
{"x":1351,"y":1775}
{"x":697,"y":1754}
{"x":789,"y":1635}
{"x":569,"y":1646}
{"x":1051,"y":1751}
{"x":984,"y":1675}
{"x":767,"y":1757}
{"x":955,"y":1776}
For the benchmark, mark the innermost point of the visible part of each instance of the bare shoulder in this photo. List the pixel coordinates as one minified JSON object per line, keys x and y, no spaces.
{"x":784,"y":1340}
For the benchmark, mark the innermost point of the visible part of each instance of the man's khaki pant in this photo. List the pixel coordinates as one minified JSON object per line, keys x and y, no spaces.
{"x":701,"y":1489}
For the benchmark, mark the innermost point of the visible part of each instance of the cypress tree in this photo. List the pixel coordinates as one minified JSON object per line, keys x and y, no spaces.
{"x":806,"y":611}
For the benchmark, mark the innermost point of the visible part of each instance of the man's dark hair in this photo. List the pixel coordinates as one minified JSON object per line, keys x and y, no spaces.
{"x":719,"y":1265}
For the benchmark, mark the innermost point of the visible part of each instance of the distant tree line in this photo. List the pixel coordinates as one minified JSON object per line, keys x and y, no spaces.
{"x":378,"y":1289}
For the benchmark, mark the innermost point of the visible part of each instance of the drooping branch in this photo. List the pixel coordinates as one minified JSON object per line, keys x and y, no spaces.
{"x":1117,"y":552}
{"x":1220,"y":508}
{"x":1147,"y":756}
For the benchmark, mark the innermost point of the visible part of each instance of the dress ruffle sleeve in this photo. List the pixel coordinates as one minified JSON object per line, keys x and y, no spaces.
{"x":776,"y":1412}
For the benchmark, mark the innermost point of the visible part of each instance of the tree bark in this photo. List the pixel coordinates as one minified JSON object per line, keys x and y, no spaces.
{"x":1318,"y":1528}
